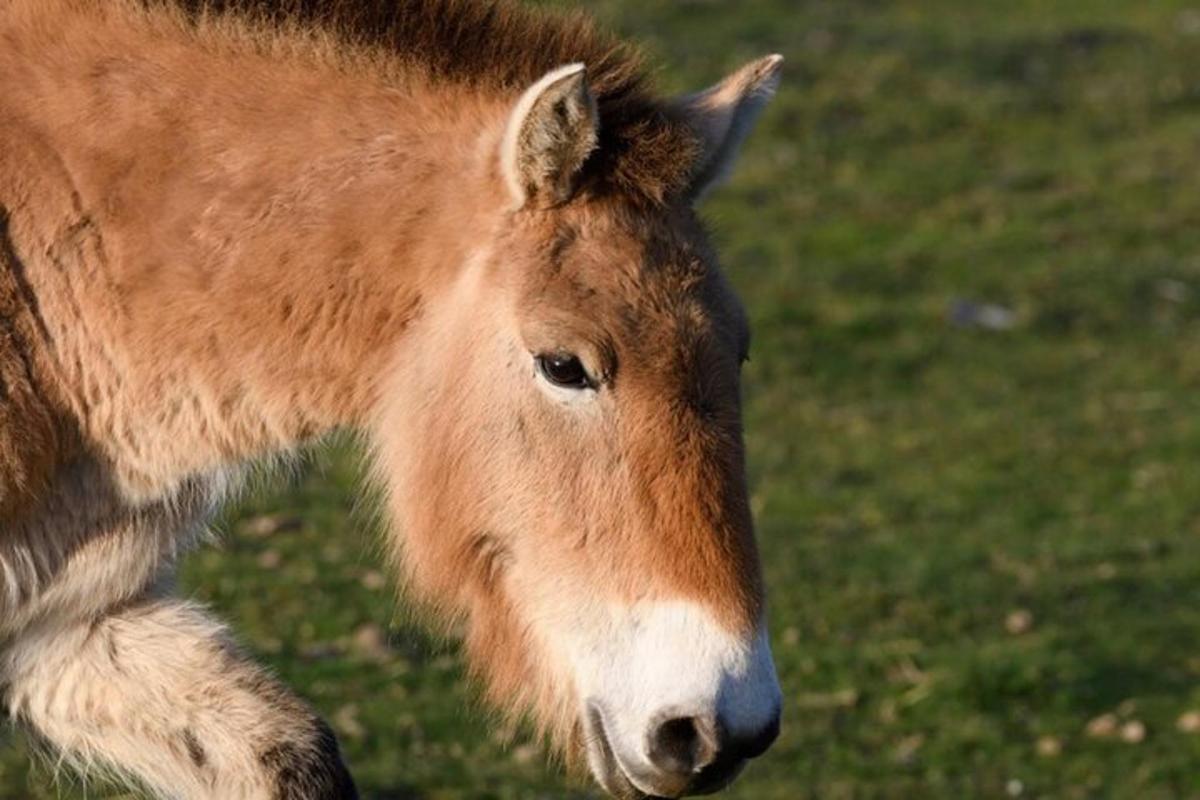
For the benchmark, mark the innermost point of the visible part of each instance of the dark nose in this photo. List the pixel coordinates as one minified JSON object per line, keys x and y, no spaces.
{"x":683,"y":745}
{"x":703,"y":752}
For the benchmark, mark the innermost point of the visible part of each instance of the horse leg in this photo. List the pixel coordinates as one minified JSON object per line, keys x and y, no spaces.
{"x":156,"y":690}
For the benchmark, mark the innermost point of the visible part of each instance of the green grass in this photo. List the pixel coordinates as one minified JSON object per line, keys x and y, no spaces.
{"x":915,"y":482}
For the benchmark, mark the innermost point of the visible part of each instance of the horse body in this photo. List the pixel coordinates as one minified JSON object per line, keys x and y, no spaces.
{"x":225,"y":237}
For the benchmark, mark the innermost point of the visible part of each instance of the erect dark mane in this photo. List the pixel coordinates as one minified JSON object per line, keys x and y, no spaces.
{"x":502,"y":46}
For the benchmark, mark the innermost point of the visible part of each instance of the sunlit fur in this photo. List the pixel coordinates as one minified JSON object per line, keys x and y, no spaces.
{"x":228,"y":230}
{"x":519,"y":503}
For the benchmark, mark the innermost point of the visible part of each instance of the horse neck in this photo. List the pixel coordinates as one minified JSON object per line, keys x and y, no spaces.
{"x":251,"y":239}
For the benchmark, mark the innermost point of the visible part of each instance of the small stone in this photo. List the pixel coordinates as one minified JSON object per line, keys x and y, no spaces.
{"x":1014,"y":788}
{"x":370,"y":641}
{"x":1018,"y":621}
{"x":443,"y":663}
{"x":1189,"y":722}
{"x":266,"y":524}
{"x":1102,"y":726}
{"x":345,"y":719}
{"x":758,"y":504}
{"x":988,"y":316}
{"x":1049,"y":746}
{"x":1133,"y":732}
{"x":524,"y":754}
{"x":373,"y":580}
{"x":270,"y":559}
{"x":906,"y":750}
{"x":1172,"y":291}
{"x":1188,"y":21}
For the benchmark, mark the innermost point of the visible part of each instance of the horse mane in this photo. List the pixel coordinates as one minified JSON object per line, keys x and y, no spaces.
{"x":502,"y":47}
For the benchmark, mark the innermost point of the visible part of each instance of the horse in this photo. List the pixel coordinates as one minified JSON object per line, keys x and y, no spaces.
{"x":465,"y":230}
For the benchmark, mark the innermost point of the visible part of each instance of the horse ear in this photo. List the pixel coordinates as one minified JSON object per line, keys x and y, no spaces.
{"x":724,"y":114}
{"x":550,"y":132}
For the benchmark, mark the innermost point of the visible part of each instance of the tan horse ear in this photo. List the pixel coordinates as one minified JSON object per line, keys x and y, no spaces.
{"x":550,"y":132}
{"x":724,"y":114}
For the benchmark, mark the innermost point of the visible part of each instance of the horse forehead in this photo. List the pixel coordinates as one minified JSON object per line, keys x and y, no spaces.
{"x":640,"y":277}
{"x":639,"y":245}
{"x":656,"y":318}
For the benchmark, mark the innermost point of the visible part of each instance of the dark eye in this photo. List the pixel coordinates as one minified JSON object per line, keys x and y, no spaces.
{"x":564,"y":369}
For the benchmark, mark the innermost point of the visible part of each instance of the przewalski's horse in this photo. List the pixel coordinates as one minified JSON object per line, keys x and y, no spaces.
{"x":465,"y":230}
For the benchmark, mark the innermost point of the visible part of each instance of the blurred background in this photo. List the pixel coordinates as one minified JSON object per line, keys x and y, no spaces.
{"x":968,"y":234}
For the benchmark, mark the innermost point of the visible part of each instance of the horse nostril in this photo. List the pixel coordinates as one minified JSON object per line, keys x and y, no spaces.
{"x":681,"y":745}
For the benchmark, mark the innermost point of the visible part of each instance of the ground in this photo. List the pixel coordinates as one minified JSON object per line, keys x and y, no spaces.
{"x":969,"y":238}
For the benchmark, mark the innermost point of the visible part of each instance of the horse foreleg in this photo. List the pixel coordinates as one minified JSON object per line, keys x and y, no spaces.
{"x":156,"y":690}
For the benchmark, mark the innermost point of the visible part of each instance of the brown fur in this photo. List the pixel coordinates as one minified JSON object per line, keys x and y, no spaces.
{"x":232,"y":227}
{"x":498,"y":47}
{"x":666,"y":327}
{"x":33,"y":437}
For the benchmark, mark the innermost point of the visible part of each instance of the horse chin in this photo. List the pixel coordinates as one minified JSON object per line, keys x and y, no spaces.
{"x":602,"y":759}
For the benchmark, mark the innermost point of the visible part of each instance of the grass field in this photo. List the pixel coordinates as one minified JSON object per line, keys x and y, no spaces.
{"x":981,"y":524}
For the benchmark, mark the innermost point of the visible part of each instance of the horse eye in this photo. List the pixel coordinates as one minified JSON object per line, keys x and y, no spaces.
{"x":564,"y":369}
